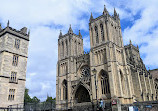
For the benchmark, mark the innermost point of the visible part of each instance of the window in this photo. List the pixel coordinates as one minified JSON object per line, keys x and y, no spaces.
{"x":96,"y":33}
{"x":105,"y":83}
{"x":13,"y":77}
{"x":92,"y":36}
{"x":64,"y":90}
{"x":11,"y":94}
{"x":66,"y":48}
{"x":63,"y":48}
{"x":142,"y":96}
{"x":102,"y":31}
{"x":122,"y":81}
{"x":15,"y":60}
{"x":17,"y":43}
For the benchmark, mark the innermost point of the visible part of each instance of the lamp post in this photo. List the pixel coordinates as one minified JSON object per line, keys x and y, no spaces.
{"x":96,"y":82}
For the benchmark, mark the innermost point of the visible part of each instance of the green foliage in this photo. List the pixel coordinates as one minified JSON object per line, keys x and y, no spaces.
{"x":35,"y":100}
{"x":50,"y":99}
{"x":28,"y":99}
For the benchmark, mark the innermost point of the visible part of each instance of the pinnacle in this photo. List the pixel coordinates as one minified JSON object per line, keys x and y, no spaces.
{"x":0,"y":26}
{"x":8,"y":24}
{"x":70,"y":30}
{"x":130,"y":42}
{"x":91,"y":18}
{"x":115,"y":13}
{"x":80,"y":34}
{"x":105,"y":10}
{"x":29,"y":33}
{"x":60,"y":33}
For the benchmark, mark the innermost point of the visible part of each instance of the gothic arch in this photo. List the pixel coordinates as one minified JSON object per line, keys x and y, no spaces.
{"x":92,"y":35}
{"x":104,"y":84}
{"x":82,"y":94}
{"x":96,"y":34}
{"x":122,"y":81}
{"x":64,"y":90}
{"x":102,"y":30}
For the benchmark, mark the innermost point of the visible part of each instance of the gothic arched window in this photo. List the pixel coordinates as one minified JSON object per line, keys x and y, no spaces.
{"x":105,"y":83}
{"x":102,"y":32}
{"x":96,"y":33}
{"x":65,"y":90}
{"x":63,"y":49}
{"x":66,"y":48}
{"x":75,"y":48}
{"x":92,"y":36}
{"x":122,"y":81}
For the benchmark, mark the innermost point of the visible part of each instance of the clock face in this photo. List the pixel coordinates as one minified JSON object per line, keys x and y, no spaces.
{"x":85,"y":72}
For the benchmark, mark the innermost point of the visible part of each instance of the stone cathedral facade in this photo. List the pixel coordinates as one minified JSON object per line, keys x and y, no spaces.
{"x":13,"y":63}
{"x":109,"y":70}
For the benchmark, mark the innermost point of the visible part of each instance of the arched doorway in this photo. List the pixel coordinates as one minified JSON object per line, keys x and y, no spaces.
{"x":82,"y":95}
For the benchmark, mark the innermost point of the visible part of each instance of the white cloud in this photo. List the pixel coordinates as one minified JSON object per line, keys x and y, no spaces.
{"x":144,"y":30}
{"x":46,"y":17}
{"x":86,"y":43}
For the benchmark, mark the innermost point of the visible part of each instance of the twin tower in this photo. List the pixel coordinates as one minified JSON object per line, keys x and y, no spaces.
{"x":106,"y":72}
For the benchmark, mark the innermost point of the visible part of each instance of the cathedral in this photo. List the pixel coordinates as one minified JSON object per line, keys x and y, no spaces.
{"x":110,"y":70}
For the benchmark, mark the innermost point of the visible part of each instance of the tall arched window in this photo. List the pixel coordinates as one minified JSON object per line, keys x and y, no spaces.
{"x":105,"y":83}
{"x":96,"y":33}
{"x":102,"y":32}
{"x":65,"y":90}
{"x":92,"y":36}
{"x":66,"y":48}
{"x":63,"y":49}
{"x":75,"y":48}
{"x":122,"y":81}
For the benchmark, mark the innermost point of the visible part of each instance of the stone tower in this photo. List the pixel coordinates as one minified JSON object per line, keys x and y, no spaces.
{"x":108,"y":56}
{"x":110,"y":71}
{"x":13,"y":63}
{"x":70,"y":46}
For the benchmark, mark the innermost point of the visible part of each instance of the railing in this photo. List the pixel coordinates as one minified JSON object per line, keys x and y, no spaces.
{"x":42,"y":106}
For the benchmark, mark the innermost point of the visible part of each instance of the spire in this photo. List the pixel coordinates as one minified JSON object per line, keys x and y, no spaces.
{"x":60,"y":33}
{"x":29,"y":33}
{"x":0,"y":26}
{"x":115,"y":13}
{"x":130,"y":41}
{"x":137,"y":47}
{"x":80,"y":34}
{"x":91,"y":18}
{"x":8,"y":24}
{"x":105,"y":10}
{"x":70,"y":30}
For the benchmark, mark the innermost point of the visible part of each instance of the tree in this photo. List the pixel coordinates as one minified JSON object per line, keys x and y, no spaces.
{"x":27,"y":98}
{"x":35,"y":100}
{"x":50,"y":99}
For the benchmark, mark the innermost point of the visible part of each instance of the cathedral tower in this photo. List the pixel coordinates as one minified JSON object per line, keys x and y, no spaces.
{"x":108,"y":56}
{"x":70,"y":46}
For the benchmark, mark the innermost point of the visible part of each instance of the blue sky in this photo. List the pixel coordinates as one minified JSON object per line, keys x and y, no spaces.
{"x":45,"y":19}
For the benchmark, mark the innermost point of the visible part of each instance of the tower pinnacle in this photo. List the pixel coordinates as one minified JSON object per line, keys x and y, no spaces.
{"x":8,"y":24}
{"x":29,"y":33}
{"x":130,"y":41}
{"x":0,"y":26}
{"x":91,"y":18}
{"x":70,"y":30}
{"x":105,"y":10}
{"x":115,"y":13}
{"x":60,"y":33}
{"x":80,"y":34}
